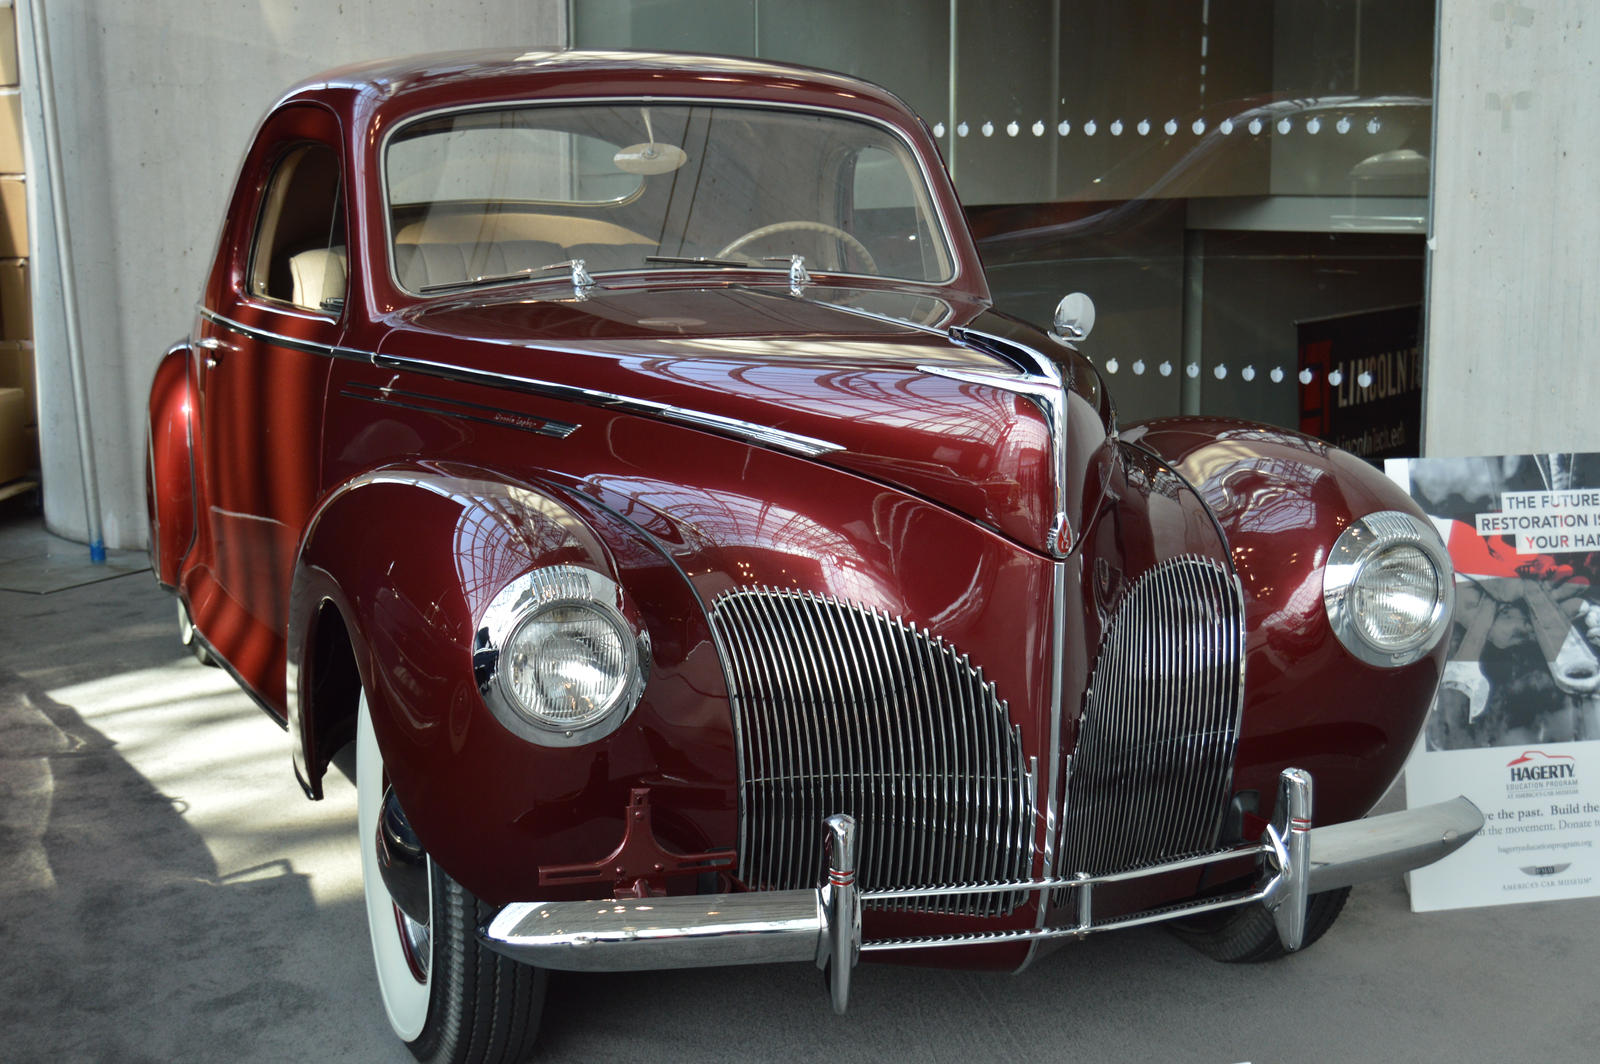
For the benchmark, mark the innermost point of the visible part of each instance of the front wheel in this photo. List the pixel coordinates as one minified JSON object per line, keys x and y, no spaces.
{"x":1247,"y":934}
{"x":448,"y":997}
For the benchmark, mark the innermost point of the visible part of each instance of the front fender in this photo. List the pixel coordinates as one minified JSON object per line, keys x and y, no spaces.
{"x":1281,"y":499}
{"x":405,"y":559}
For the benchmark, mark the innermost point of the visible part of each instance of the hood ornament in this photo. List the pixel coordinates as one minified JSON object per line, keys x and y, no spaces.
{"x":581,"y":281}
{"x":798,"y":277}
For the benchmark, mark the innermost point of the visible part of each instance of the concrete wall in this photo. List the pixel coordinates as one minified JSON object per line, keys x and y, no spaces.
{"x":156,"y":101}
{"x":1514,"y":307}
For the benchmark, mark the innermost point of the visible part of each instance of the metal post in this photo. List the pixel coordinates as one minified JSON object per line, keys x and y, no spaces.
{"x":69,"y":294}
{"x":1194,"y":297}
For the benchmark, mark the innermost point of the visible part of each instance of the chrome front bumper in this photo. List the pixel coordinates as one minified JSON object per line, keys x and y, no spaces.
{"x":824,"y":925}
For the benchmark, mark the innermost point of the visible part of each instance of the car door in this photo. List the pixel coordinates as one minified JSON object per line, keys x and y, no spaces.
{"x":267,"y":336}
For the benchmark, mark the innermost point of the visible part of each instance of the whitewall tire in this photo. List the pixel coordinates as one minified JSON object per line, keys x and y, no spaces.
{"x":448,"y":997}
{"x":405,"y":996}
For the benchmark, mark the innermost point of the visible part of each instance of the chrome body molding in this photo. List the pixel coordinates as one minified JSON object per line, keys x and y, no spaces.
{"x":1060,"y":776}
{"x":1293,"y":859}
{"x":482,"y":413}
{"x":277,"y":339}
{"x":1041,"y":383}
{"x":749,"y":432}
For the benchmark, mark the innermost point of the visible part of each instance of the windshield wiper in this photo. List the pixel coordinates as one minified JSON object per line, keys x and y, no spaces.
{"x":486,"y":279}
{"x":699,"y":260}
{"x":580,"y":277}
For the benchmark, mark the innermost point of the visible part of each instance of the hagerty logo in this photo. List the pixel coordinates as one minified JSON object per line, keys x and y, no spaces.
{"x":1539,"y":773}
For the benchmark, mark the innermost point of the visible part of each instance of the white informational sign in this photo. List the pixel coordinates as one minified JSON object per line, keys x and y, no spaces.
{"x":1515,"y":725}
{"x":1541,"y":810}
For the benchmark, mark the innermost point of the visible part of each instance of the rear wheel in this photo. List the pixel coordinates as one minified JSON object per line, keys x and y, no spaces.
{"x":1247,"y":935}
{"x":449,"y":998}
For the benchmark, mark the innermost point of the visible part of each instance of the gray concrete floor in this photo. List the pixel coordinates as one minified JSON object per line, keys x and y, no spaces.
{"x":167,"y":894}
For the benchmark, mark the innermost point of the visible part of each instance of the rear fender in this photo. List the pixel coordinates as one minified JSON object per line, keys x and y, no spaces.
{"x":169,"y":464}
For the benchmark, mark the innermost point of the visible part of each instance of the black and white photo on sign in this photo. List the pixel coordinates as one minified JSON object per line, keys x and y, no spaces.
{"x":1524,"y":535}
{"x":1515,"y":726}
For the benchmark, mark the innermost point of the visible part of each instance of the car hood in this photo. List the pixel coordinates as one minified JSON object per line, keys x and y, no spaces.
{"x":872,"y":377}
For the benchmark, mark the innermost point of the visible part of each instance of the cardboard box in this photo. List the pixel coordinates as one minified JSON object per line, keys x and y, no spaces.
{"x":14,"y":454}
{"x":13,"y":216}
{"x":16,"y":301}
{"x":17,"y":371}
{"x":11,"y":131}
{"x":8,"y":43}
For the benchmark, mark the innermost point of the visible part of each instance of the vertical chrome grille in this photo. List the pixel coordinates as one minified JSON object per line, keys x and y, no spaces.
{"x":843,"y":709}
{"x":1153,"y":763}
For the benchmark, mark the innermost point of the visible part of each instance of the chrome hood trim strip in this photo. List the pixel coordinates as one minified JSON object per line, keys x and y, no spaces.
{"x":763,"y":435}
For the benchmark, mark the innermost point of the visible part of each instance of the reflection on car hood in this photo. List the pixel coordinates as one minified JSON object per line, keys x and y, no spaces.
{"x":849,"y":367}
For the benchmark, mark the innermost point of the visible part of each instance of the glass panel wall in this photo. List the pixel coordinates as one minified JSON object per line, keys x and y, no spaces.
{"x":1241,"y":185}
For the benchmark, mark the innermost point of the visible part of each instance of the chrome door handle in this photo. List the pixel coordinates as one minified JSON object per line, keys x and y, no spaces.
{"x":210,"y":343}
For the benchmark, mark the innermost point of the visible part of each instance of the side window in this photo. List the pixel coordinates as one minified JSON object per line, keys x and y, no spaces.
{"x":298,"y":256}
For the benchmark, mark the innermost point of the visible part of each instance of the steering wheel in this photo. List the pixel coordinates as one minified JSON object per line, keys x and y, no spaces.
{"x":811,"y":227}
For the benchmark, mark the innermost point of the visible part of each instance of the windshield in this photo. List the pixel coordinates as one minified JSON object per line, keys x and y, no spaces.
{"x":479,"y":197}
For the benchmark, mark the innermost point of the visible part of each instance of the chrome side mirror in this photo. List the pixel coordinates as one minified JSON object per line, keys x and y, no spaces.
{"x":1074,"y":318}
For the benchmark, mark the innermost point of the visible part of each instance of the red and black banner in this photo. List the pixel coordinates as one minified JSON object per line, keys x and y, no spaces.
{"x":1361,"y":381}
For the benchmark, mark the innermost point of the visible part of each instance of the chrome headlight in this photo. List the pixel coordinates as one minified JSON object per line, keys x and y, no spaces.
{"x":1389,"y":588}
{"x":556,"y":659}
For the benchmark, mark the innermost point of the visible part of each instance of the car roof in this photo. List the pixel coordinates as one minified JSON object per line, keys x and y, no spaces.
{"x":405,"y":84}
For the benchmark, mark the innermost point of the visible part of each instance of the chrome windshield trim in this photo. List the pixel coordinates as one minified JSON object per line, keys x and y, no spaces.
{"x":749,"y":432}
{"x":934,"y":206}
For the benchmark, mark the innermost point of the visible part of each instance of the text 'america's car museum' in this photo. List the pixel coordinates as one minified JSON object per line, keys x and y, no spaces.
{"x":798,"y":532}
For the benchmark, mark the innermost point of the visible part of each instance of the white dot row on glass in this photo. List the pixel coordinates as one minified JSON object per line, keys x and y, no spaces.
{"x":1220,"y":371}
{"x":1255,"y":126}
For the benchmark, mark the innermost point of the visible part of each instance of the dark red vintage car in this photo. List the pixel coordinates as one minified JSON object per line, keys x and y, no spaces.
{"x":622,"y":450}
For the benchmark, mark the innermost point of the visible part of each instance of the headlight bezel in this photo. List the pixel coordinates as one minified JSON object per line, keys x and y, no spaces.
{"x":538,"y":593}
{"x":1366,"y":541}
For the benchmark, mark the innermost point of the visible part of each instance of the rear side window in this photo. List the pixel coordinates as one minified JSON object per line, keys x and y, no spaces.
{"x":299,"y":255}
